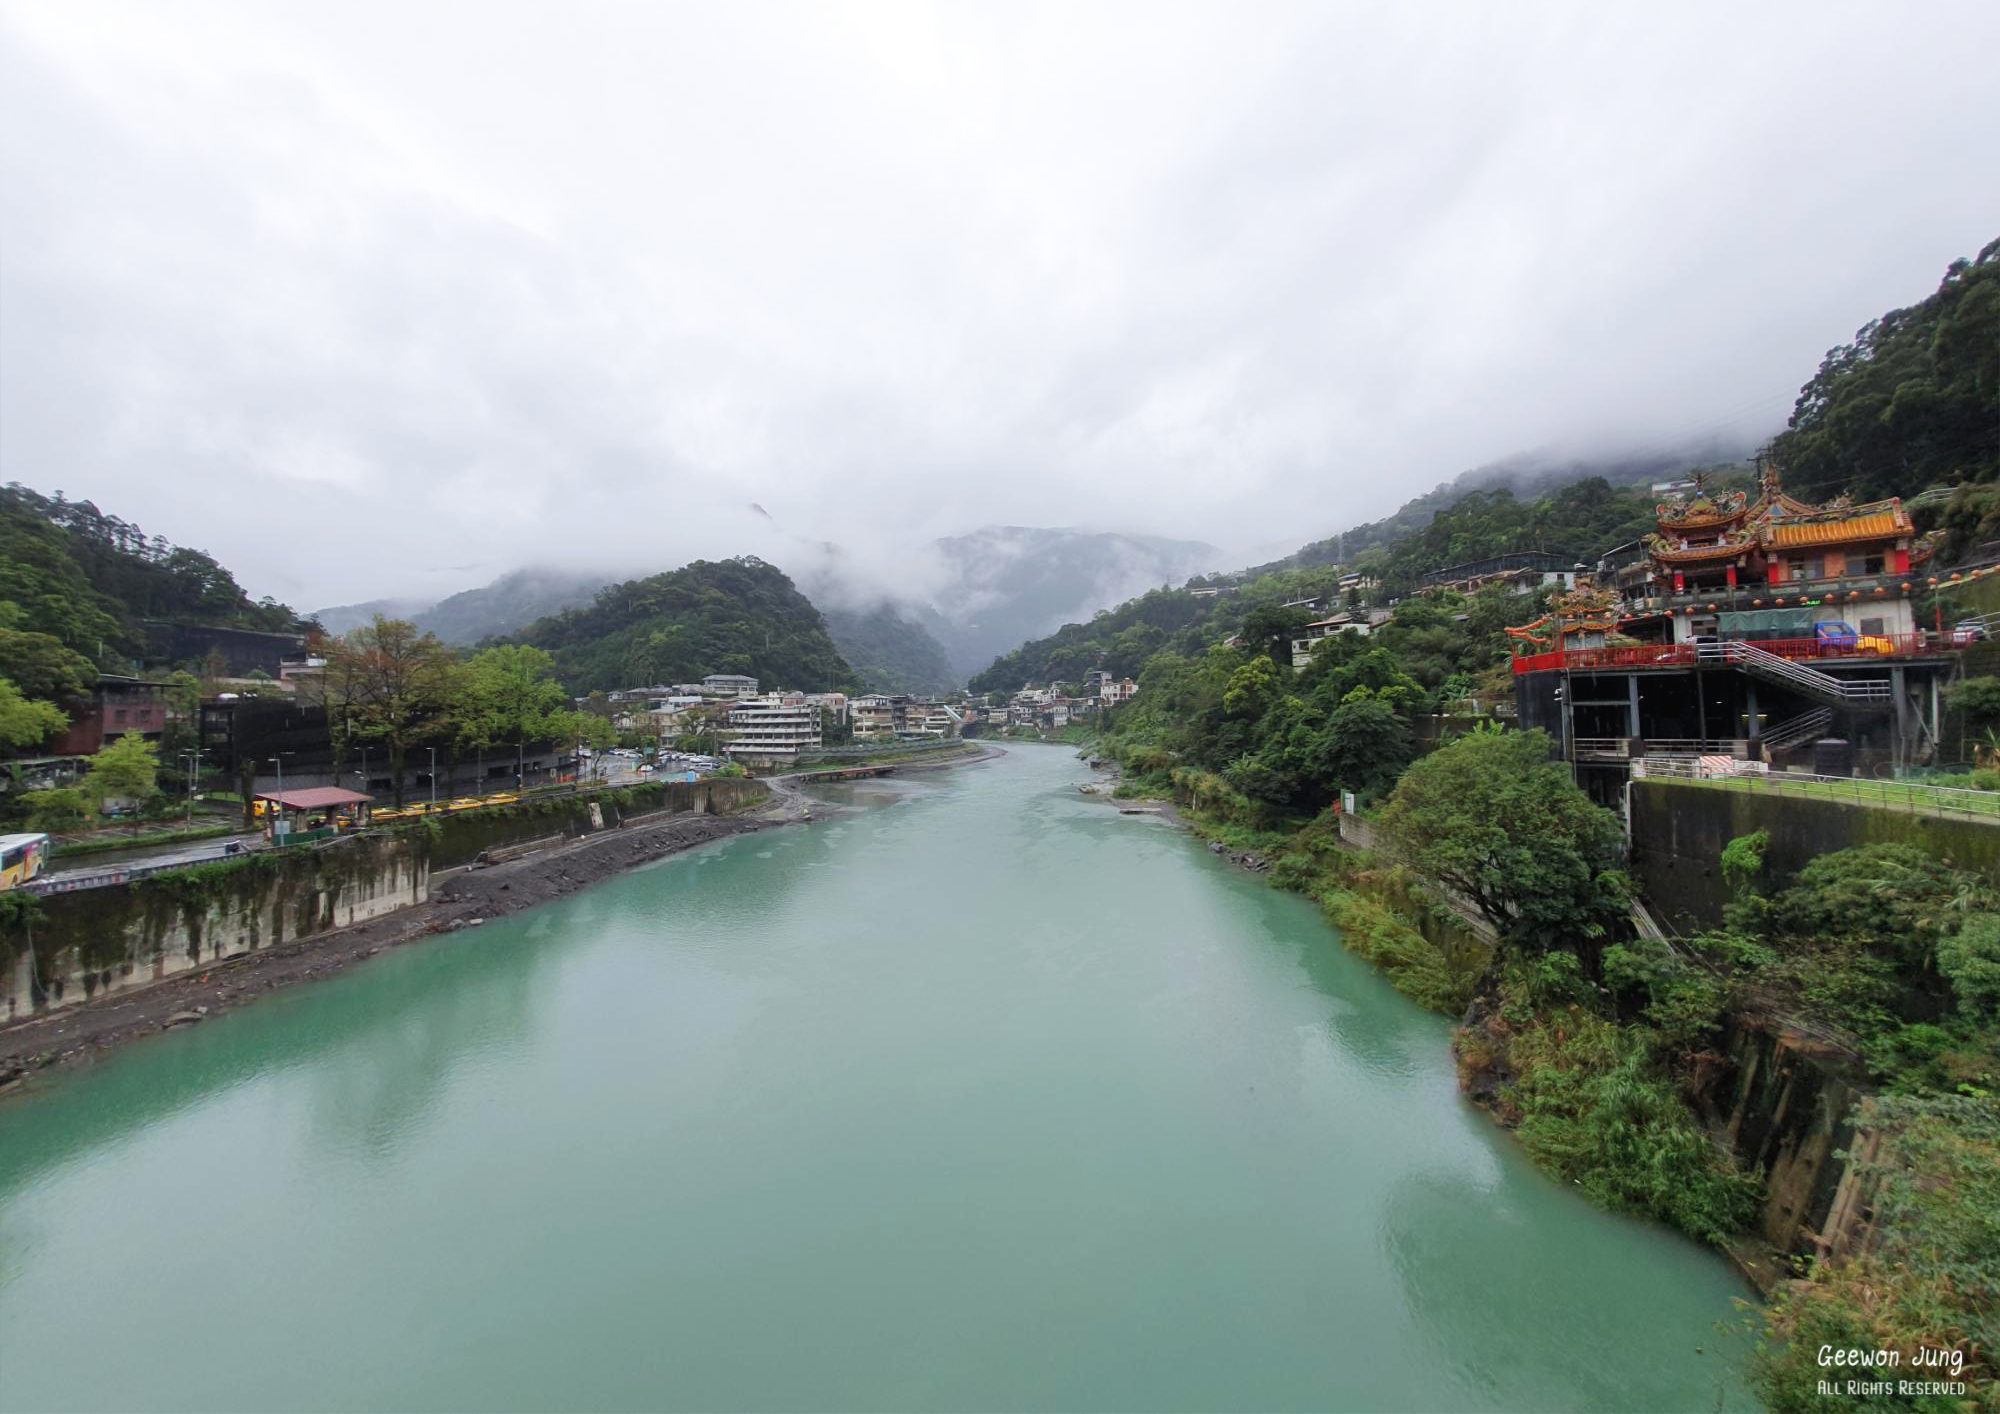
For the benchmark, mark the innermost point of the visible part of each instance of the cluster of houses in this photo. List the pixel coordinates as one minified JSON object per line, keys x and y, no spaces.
{"x":1046,"y":709}
{"x":772,"y":728}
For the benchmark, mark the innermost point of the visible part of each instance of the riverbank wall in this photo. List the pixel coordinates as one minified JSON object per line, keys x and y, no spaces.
{"x":1780,"y":1098}
{"x":1679,"y":829}
{"x":69,"y":948}
{"x":1784,"y":1101}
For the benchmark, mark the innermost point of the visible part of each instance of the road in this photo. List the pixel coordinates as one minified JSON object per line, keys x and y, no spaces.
{"x":614,"y":771}
{"x":112,"y":860}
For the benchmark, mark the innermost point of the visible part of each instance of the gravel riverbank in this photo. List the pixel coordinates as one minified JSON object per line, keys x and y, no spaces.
{"x":460,"y":898}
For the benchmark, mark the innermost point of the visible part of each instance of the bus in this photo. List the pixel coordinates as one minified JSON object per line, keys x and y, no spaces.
{"x":21,"y":858}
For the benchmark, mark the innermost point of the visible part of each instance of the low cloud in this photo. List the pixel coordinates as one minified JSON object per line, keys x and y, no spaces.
{"x":367,"y":300}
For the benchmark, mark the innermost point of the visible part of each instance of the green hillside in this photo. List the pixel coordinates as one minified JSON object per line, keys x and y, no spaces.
{"x":1582,"y":519}
{"x":712,"y":616}
{"x":1913,"y":402}
{"x":890,"y":650}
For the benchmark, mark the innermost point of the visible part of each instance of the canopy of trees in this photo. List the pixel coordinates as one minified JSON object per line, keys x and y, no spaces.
{"x":724,"y":616}
{"x":1911,"y":403}
{"x":89,"y":580}
{"x":890,"y":650}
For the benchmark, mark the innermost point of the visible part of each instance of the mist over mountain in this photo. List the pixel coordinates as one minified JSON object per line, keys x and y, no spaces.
{"x":506,"y":606}
{"x":1527,"y":475}
{"x":1002,"y":585}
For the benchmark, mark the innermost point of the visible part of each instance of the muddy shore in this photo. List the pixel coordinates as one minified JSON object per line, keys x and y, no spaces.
{"x":460,"y":899}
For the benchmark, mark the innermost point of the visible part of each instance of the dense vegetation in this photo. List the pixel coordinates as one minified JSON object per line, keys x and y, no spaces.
{"x":1911,"y":403}
{"x":713,"y":616}
{"x":90,"y":581}
{"x":1581,"y":519}
{"x":890,"y":650}
{"x":1525,"y":483}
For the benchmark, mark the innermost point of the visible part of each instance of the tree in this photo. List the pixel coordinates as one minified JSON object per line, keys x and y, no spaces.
{"x":1978,"y":700}
{"x":393,"y":685}
{"x":41,"y":666}
{"x":1270,"y":628}
{"x":24,"y":722}
{"x":1253,"y":689}
{"x":1492,"y":817}
{"x":63,"y":808}
{"x":1366,"y":744}
{"x":509,"y":693}
{"x":127,"y":769}
{"x":1970,"y":959}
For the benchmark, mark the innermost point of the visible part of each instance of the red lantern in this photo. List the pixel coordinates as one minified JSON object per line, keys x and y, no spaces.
{"x":1756,"y":603}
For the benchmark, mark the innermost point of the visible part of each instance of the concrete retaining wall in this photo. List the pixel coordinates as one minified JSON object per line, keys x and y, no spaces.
{"x":84,"y":945}
{"x":1679,"y":829}
{"x":67,"y":948}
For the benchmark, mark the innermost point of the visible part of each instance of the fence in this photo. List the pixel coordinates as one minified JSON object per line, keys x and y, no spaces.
{"x":1915,"y":797}
{"x":1867,"y":648}
{"x":887,"y":749}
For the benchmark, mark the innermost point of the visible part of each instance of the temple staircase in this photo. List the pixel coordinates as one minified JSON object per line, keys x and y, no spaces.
{"x":1797,"y":731}
{"x":1847,"y":692}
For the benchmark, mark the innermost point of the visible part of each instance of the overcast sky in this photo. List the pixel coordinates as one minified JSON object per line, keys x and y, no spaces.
{"x":388,"y":298}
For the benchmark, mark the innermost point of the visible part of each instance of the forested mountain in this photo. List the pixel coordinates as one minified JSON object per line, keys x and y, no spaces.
{"x":1004,"y":584}
{"x":1524,"y":481}
{"x":713,"y":616}
{"x":1913,"y":402}
{"x":890,"y":650}
{"x":508,"y":605}
{"x":1581,"y":519}
{"x":339,"y":619}
{"x":91,"y":580}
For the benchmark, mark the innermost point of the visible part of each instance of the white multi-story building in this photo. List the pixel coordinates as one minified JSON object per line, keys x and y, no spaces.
{"x":729,"y":686}
{"x":1314,"y":633}
{"x":877,"y":717}
{"x":931,"y":719}
{"x":772,"y":729}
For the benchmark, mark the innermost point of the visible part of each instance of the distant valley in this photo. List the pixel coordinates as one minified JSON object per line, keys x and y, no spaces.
{"x":989,"y":591}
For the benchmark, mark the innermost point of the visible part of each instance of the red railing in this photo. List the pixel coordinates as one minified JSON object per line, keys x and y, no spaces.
{"x":1681,"y":655}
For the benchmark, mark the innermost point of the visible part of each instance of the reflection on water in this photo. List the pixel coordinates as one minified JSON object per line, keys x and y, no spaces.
{"x":979,"y":1096}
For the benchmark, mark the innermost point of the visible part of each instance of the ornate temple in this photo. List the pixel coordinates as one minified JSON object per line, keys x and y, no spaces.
{"x":1756,"y":630}
{"x":1722,"y":563}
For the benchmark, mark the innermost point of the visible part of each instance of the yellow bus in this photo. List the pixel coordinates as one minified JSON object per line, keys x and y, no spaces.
{"x":21,"y":858}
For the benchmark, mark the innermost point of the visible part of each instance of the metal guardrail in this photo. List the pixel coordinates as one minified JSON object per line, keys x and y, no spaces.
{"x":1872,"y":648}
{"x":1785,"y":670}
{"x":1916,"y":797}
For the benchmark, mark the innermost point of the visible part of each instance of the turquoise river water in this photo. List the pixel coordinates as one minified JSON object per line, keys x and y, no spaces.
{"x":979,"y":1096}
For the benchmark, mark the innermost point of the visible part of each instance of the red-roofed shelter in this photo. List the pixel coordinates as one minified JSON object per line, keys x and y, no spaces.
{"x":316,"y":812}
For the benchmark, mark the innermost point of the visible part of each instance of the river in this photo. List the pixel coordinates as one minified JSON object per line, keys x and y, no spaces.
{"x":977,"y":1096}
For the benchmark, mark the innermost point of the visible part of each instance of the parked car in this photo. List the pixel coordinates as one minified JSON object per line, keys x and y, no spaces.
{"x":1968,"y":631}
{"x":1835,"y":634}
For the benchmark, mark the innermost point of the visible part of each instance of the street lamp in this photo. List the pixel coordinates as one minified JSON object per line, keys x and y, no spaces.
{"x":277,"y":825}
{"x":193,"y":758}
{"x":434,"y":776}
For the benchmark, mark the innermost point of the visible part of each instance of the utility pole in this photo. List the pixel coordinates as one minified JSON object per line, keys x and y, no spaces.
{"x":278,"y":818}
{"x":194,"y":761}
{"x":434,"y":777}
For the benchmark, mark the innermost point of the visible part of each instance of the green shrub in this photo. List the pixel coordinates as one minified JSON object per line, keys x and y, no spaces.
{"x":1931,"y":1282}
{"x":61,"y":809}
{"x":1595,"y":1108}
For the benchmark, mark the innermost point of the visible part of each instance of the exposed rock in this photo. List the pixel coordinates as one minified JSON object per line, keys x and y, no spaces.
{"x":185,"y":1018}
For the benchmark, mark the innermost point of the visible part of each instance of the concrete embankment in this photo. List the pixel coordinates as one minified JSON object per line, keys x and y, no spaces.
{"x":88,"y":970}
